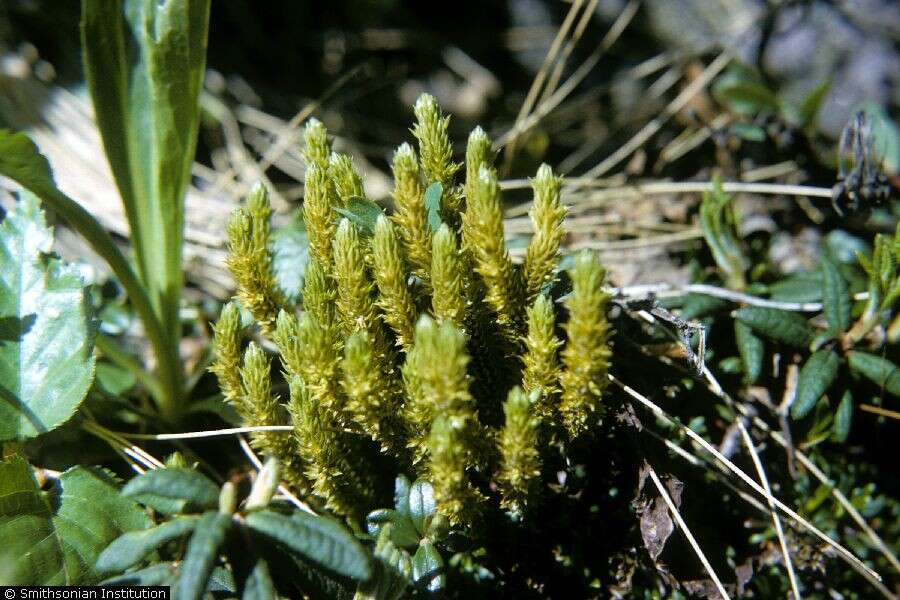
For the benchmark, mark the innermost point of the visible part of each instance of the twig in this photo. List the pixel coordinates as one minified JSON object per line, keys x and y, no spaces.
{"x":661,"y":414}
{"x":205,"y":434}
{"x":686,"y":531}
{"x":666,"y":290}
{"x":656,"y":124}
{"x":779,"y":531}
{"x":546,"y":106}
{"x":892,"y":414}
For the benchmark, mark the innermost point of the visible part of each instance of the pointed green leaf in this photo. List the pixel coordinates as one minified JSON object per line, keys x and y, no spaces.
{"x":144,"y":64}
{"x":129,"y":549}
{"x":779,"y":325}
{"x":816,"y":377}
{"x":403,"y":532}
{"x":317,"y":539}
{"x":720,"y":230}
{"x":173,"y":490}
{"x":201,"y":554}
{"x":809,"y":108}
{"x":290,"y":255}
{"x":54,"y":537}
{"x":843,"y":418}
{"x":752,"y":351}
{"x":422,"y":504}
{"x":835,"y":298}
{"x":46,"y":332}
{"x":879,"y":371}
{"x":363,"y":213}
{"x":402,"y":487}
{"x":433,"y":205}
{"x":259,"y":585}
{"x":428,"y":567}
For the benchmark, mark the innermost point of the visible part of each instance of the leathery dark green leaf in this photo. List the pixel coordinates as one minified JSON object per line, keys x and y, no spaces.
{"x":779,"y":325}
{"x":173,"y":490}
{"x":752,"y":351}
{"x":835,"y":297}
{"x":201,"y":554}
{"x":428,"y":567}
{"x":128,"y":549}
{"x":843,"y":417}
{"x":317,"y":539}
{"x":816,"y":376}
{"x":421,"y":504}
{"x":259,"y":585}
{"x":879,"y":371}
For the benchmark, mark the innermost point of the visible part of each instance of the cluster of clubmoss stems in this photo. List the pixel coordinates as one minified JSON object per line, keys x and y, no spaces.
{"x":420,"y":346}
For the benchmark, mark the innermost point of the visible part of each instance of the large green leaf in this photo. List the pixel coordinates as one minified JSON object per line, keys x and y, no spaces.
{"x":21,"y":161}
{"x":428,"y":567}
{"x":843,"y":417}
{"x":46,"y":332}
{"x":54,"y":537}
{"x":879,"y":371}
{"x":815,"y":378}
{"x":779,"y":325}
{"x":144,"y":62}
{"x":317,"y":539}
{"x":201,"y":554}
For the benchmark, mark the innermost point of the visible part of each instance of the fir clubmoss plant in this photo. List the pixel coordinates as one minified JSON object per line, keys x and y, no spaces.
{"x":422,"y":348}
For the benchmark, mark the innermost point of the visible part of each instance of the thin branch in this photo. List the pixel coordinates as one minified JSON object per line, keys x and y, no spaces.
{"x":189,"y":435}
{"x":779,"y":531}
{"x":650,"y":129}
{"x":687,"y":532}
{"x":666,"y":290}
{"x":883,"y":412}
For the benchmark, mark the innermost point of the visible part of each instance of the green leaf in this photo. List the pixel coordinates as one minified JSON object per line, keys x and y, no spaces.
{"x":363,"y":213}
{"x":46,"y":332}
{"x":879,"y":371}
{"x":843,"y":418}
{"x":422,"y":504}
{"x":835,"y":298}
{"x":428,"y":567}
{"x":318,"y":539}
{"x":816,"y":377}
{"x":433,"y":205}
{"x":403,"y":532}
{"x":21,"y":162}
{"x":259,"y":585}
{"x":697,"y":306}
{"x":54,"y":537}
{"x":720,"y":230}
{"x":802,"y":287}
{"x":748,"y":132}
{"x":779,"y":325}
{"x":201,"y":554}
{"x":750,"y":97}
{"x":128,"y":549}
{"x":290,"y":255}
{"x":144,"y":64}
{"x":810,"y":106}
{"x":752,"y":351}
{"x":173,"y":490}
{"x":402,"y":487}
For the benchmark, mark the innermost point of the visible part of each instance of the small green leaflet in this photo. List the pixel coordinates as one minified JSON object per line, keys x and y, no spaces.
{"x":835,"y":297}
{"x":779,"y":325}
{"x":363,"y":213}
{"x":879,"y":371}
{"x":816,"y":377}
{"x":433,"y":195}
